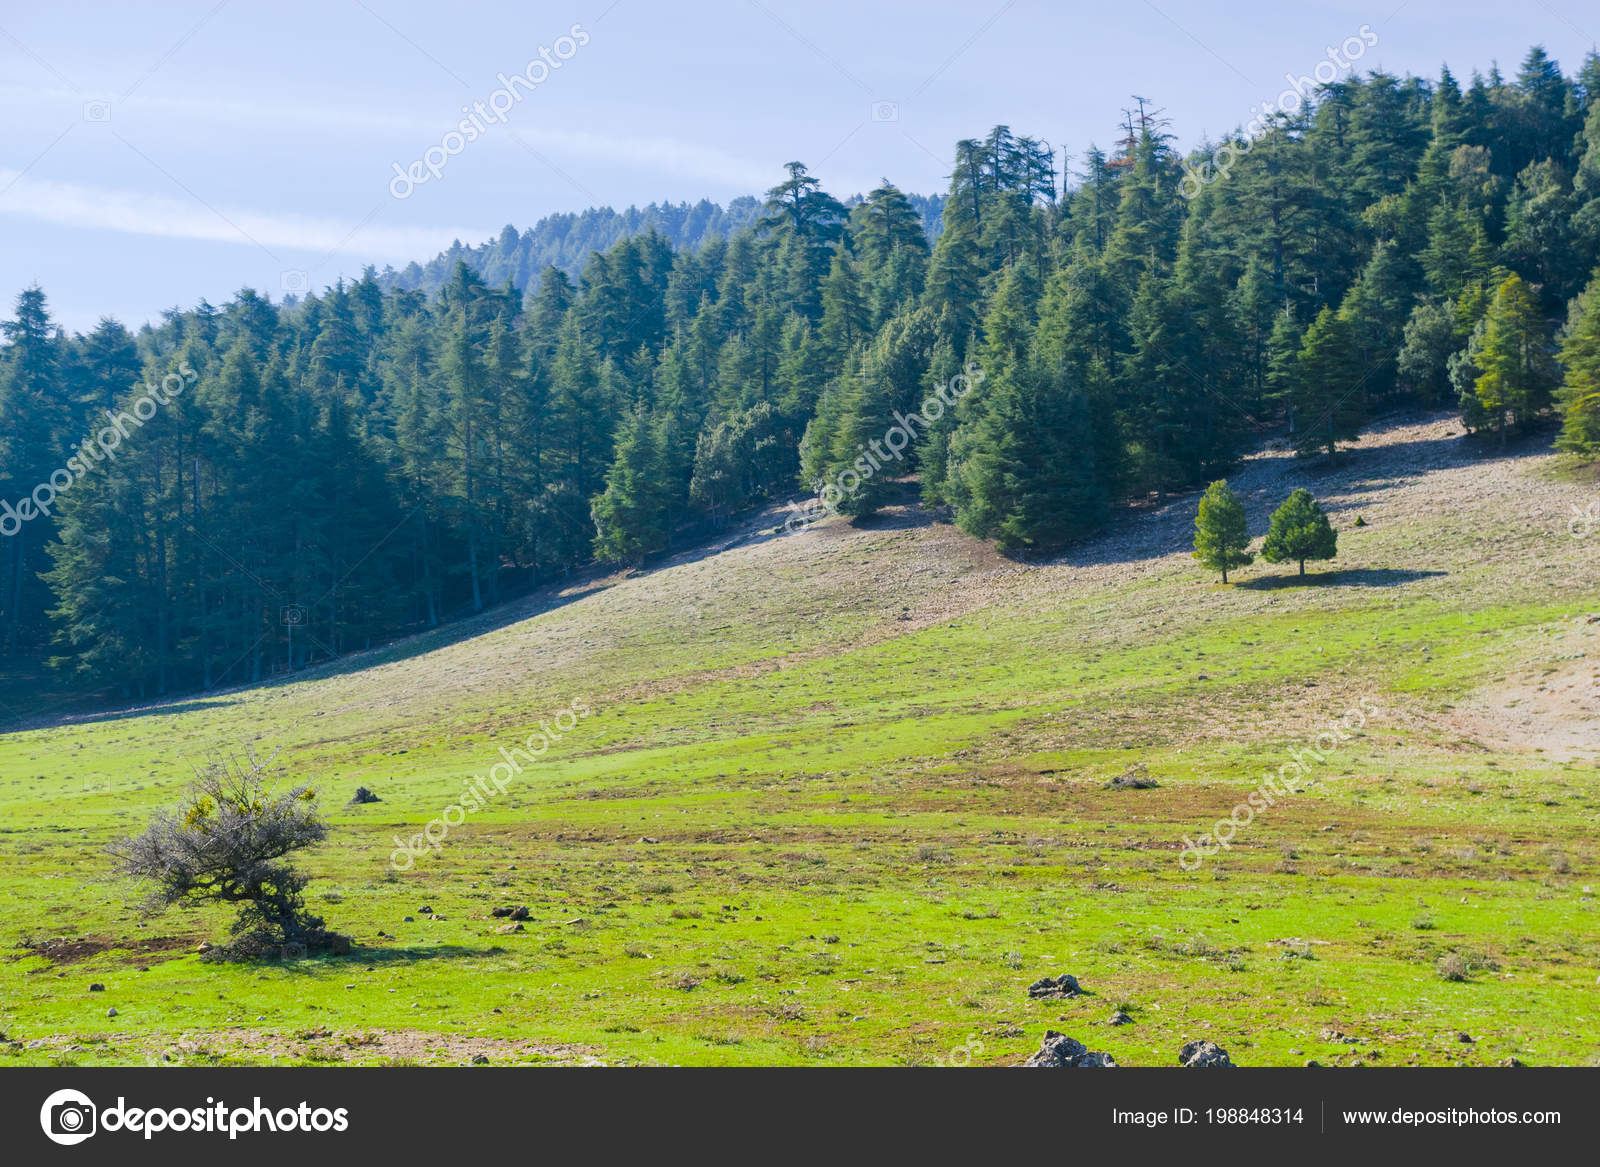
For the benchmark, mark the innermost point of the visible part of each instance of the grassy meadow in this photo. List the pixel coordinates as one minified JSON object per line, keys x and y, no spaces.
{"x":841,"y":796}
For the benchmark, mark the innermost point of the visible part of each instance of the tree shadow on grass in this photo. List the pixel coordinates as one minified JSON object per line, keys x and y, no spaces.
{"x":363,"y":956}
{"x":1361,"y":577}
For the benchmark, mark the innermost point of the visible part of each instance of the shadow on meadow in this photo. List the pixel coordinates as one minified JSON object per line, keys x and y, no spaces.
{"x":1359,"y":577}
{"x":367,"y":956}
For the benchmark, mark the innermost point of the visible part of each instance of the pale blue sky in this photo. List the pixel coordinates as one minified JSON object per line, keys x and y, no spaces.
{"x":154,"y":154}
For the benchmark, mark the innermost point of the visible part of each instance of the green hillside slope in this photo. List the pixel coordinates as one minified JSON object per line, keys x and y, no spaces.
{"x":840,"y":797}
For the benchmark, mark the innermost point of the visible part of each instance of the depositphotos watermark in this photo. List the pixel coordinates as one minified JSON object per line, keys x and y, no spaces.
{"x":1583,"y":522}
{"x":1275,"y":786}
{"x":490,"y":111}
{"x":480,"y":791}
{"x":94,"y":450}
{"x":889,"y":448}
{"x":1339,"y":60}
{"x":70,"y":1116}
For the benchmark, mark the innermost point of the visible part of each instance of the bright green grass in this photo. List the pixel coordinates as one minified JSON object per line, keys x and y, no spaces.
{"x":793,"y":833}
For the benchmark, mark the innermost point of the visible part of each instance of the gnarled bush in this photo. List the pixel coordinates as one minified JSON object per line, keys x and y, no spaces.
{"x":228,"y":841}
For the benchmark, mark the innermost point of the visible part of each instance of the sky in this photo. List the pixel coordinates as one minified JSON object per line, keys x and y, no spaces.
{"x":155,"y":154}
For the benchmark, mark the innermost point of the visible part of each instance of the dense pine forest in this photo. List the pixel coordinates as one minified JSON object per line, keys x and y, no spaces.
{"x":287,"y":483}
{"x":566,"y":241}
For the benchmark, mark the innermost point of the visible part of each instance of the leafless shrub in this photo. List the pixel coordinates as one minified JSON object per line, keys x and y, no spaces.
{"x":227,"y":841}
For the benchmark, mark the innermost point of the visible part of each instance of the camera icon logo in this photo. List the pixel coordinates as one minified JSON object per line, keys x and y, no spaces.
{"x":68,"y":1117}
{"x":292,"y":615}
{"x":885,"y":111}
{"x":97,"y":111}
{"x":295,"y":281}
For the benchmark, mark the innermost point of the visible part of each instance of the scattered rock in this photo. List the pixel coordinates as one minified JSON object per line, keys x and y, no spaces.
{"x":520,"y":912}
{"x":1201,"y":1055}
{"x":1313,"y":1064}
{"x":112,"y":1012}
{"x":425,"y":910}
{"x":507,"y":929}
{"x":1120,"y":1018}
{"x":1058,"y":1051}
{"x":1331,"y":1034}
{"x":1464,"y":1038}
{"x":97,"y":987}
{"x":409,"y":920}
{"x":362,"y":796}
{"x":1055,"y":988}
{"x":480,"y":1059}
{"x":1135,"y":777}
{"x":1513,"y":1064}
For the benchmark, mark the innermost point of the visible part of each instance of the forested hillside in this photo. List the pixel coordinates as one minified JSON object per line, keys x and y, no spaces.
{"x":311,"y":478}
{"x":566,"y":241}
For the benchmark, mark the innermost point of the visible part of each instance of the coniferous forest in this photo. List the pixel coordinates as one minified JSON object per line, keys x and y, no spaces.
{"x":381,"y":457}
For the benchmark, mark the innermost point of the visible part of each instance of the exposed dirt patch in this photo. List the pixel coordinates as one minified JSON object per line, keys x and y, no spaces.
{"x":1556,"y":711}
{"x":326,"y":1047}
{"x":65,"y":950}
{"x":61,"y":950}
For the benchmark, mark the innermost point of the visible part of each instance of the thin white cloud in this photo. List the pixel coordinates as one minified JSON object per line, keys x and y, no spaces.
{"x":410,"y":133}
{"x":76,"y":204}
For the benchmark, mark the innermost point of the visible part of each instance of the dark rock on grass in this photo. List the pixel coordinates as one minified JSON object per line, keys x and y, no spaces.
{"x":1134,"y":778}
{"x":1058,"y":1051}
{"x":425,"y":910}
{"x":520,"y":912}
{"x":1200,"y":1055}
{"x":480,"y":1059}
{"x":1514,"y":1064}
{"x":1120,"y":1018}
{"x":508,"y":929}
{"x":97,"y":987}
{"x":1055,"y":988}
{"x":363,"y":796}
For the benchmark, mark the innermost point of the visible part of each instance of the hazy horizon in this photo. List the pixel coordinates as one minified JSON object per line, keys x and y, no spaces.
{"x":160,"y":157}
